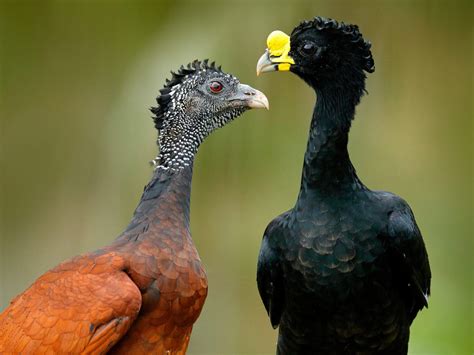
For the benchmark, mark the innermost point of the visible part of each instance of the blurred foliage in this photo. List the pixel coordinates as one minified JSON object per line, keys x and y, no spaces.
{"x":76,"y":81}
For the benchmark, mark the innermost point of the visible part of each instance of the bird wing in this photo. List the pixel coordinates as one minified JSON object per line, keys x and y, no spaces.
{"x":409,"y":259}
{"x":269,"y":276}
{"x":84,"y":305}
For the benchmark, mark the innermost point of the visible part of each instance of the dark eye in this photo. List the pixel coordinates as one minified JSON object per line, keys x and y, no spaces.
{"x":308,"y":48}
{"x":216,"y":87}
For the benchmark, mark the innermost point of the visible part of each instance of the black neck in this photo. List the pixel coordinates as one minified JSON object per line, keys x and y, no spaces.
{"x":327,"y":167}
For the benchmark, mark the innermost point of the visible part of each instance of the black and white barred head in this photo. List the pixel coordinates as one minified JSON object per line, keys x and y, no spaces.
{"x":198,"y":99}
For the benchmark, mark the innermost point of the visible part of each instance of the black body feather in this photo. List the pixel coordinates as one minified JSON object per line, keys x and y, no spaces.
{"x":346,"y":270}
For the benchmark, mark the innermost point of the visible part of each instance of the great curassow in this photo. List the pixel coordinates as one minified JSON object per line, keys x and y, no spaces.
{"x":142,"y":293}
{"x":345,"y":271}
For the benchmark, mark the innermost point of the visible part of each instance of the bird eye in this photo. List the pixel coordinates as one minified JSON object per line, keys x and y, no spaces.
{"x":216,"y":87}
{"x":308,"y":48}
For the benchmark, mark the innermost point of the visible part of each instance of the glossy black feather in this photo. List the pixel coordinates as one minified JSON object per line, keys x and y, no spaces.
{"x":346,"y":270}
{"x":269,"y":276}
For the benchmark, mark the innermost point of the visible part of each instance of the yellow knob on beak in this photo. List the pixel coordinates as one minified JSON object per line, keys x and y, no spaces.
{"x":276,"y":56}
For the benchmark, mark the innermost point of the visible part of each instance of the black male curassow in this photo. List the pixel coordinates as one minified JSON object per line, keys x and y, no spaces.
{"x":346,"y":270}
{"x":142,"y":293}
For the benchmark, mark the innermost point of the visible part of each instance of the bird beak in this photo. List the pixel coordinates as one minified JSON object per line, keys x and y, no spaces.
{"x":276,"y":56}
{"x":249,"y":97}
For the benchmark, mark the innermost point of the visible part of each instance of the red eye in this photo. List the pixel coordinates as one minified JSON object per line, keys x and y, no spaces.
{"x":216,"y":86}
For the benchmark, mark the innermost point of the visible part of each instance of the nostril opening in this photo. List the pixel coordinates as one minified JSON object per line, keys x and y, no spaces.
{"x":249,"y":93}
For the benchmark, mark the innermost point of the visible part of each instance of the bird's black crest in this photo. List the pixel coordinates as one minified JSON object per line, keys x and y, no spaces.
{"x":351,"y":32}
{"x":177,"y":78}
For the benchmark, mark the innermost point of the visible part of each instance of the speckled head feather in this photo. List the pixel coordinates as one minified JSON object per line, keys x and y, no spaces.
{"x":197,"y":100}
{"x":177,"y":78}
{"x":347,"y":31}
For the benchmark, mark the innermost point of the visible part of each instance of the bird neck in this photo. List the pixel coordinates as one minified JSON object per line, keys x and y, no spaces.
{"x":167,"y":197}
{"x":327,"y":167}
{"x":178,"y":146}
{"x":164,"y":204}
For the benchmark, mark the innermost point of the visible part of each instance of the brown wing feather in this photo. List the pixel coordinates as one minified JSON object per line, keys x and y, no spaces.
{"x":85,"y":304}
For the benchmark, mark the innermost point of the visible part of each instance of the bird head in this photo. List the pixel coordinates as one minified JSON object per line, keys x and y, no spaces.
{"x":203,"y":95}
{"x":198,"y":99}
{"x":321,"y":51}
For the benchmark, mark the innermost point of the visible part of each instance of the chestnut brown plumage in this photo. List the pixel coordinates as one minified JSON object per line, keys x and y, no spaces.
{"x":143,"y":293}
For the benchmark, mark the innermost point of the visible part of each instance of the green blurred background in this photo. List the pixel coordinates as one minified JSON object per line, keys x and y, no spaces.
{"x":77,"y":79}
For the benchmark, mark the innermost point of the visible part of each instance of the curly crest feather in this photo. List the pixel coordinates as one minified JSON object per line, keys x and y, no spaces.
{"x":348,"y":31}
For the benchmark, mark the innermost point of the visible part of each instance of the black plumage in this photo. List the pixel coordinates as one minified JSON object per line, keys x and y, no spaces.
{"x":345,"y":271}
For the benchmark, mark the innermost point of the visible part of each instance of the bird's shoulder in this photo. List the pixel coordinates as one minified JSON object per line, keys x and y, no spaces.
{"x":278,"y":235}
{"x":399,"y":221}
{"x":274,"y":244}
{"x":278,"y":229}
{"x":85,"y":303}
{"x":405,"y":246}
{"x":269,"y":268}
{"x":388,"y":200}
